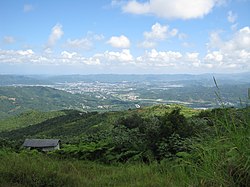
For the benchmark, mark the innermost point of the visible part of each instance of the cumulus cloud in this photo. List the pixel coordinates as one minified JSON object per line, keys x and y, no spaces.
{"x":85,"y":43}
{"x":137,"y":8}
{"x":69,"y":55}
{"x":233,"y":53}
{"x":222,"y":55}
{"x":158,"y":33}
{"x":160,"y":58}
{"x":193,"y":58}
{"x":215,"y":56}
{"x":77,"y":59}
{"x":82,"y":43}
{"x":117,"y":57}
{"x":16,"y":56}
{"x":28,"y":52}
{"x":119,"y":41}
{"x":239,"y":41}
{"x":177,"y":9}
{"x":55,"y":35}
{"x":8,"y":39}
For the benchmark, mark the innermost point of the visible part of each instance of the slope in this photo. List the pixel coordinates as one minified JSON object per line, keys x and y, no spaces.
{"x":15,"y":100}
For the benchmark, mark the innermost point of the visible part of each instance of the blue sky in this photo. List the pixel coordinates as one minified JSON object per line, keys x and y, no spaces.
{"x":124,"y":36}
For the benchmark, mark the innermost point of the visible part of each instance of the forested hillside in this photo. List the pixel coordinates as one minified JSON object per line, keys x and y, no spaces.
{"x":200,"y":147}
{"x":28,"y":118}
{"x":15,"y":100}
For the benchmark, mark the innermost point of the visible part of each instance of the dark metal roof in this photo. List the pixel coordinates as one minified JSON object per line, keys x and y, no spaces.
{"x":41,"y":142}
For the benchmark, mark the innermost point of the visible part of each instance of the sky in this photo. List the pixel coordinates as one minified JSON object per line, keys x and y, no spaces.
{"x":124,"y":36}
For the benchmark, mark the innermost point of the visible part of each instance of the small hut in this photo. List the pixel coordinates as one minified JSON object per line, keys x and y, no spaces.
{"x":42,"y":144}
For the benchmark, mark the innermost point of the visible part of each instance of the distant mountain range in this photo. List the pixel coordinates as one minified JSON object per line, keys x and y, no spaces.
{"x":20,"y":93}
{"x":49,"y":79}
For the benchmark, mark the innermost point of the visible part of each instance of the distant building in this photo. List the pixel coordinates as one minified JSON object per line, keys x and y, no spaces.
{"x":42,"y":144}
{"x":137,"y":106}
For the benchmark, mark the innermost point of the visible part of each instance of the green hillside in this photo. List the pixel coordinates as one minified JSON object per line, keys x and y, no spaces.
{"x":15,"y":100}
{"x":162,"y":145}
{"x":73,"y":123}
{"x":27,"y":119}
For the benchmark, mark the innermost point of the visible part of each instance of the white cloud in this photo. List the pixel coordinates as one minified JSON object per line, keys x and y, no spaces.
{"x":193,"y":58}
{"x":137,"y":8}
{"x":119,"y":41}
{"x":85,"y":43}
{"x":28,"y":8}
{"x":69,"y":55}
{"x":48,"y":51}
{"x":239,"y":41}
{"x":231,"y":17}
{"x":232,"y":53}
{"x":176,"y":9}
{"x":92,"y":61}
{"x":28,"y":52}
{"x":97,"y":37}
{"x":8,"y":39}
{"x":160,"y":58}
{"x":55,"y":35}
{"x":111,"y":56}
{"x":215,"y":56}
{"x":223,"y":55}
{"x":18,"y":56}
{"x":158,"y":33}
{"x":82,"y":43}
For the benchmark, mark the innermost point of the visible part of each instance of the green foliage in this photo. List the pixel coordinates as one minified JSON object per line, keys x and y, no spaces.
{"x":222,"y":157}
{"x":206,"y":149}
{"x":19,"y":99}
{"x":36,"y":169}
{"x":30,"y":170}
{"x":172,"y":146}
{"x":26,"y":119}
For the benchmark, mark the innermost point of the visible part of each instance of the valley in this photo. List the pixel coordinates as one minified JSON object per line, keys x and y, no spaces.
{"x":119,"y":92}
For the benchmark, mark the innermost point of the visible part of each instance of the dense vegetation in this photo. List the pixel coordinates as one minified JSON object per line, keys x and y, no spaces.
{"x":28,"y":118}
{"x":15,"y":100}
{"x":165,"y":145}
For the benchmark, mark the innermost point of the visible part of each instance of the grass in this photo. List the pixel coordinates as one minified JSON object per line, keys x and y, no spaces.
{"x":35,"y":169}
{"x":219,"y":160}
{"x":223,"y":158}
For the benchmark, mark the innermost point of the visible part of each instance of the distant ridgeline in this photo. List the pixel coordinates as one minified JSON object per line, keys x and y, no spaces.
{"x":20,"y":93}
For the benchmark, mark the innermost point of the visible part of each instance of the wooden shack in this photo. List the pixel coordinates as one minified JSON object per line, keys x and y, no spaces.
{"x":42,"y":144}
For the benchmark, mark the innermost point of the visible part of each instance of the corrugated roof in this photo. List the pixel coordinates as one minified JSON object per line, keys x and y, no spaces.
{"x":41,"y":142}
